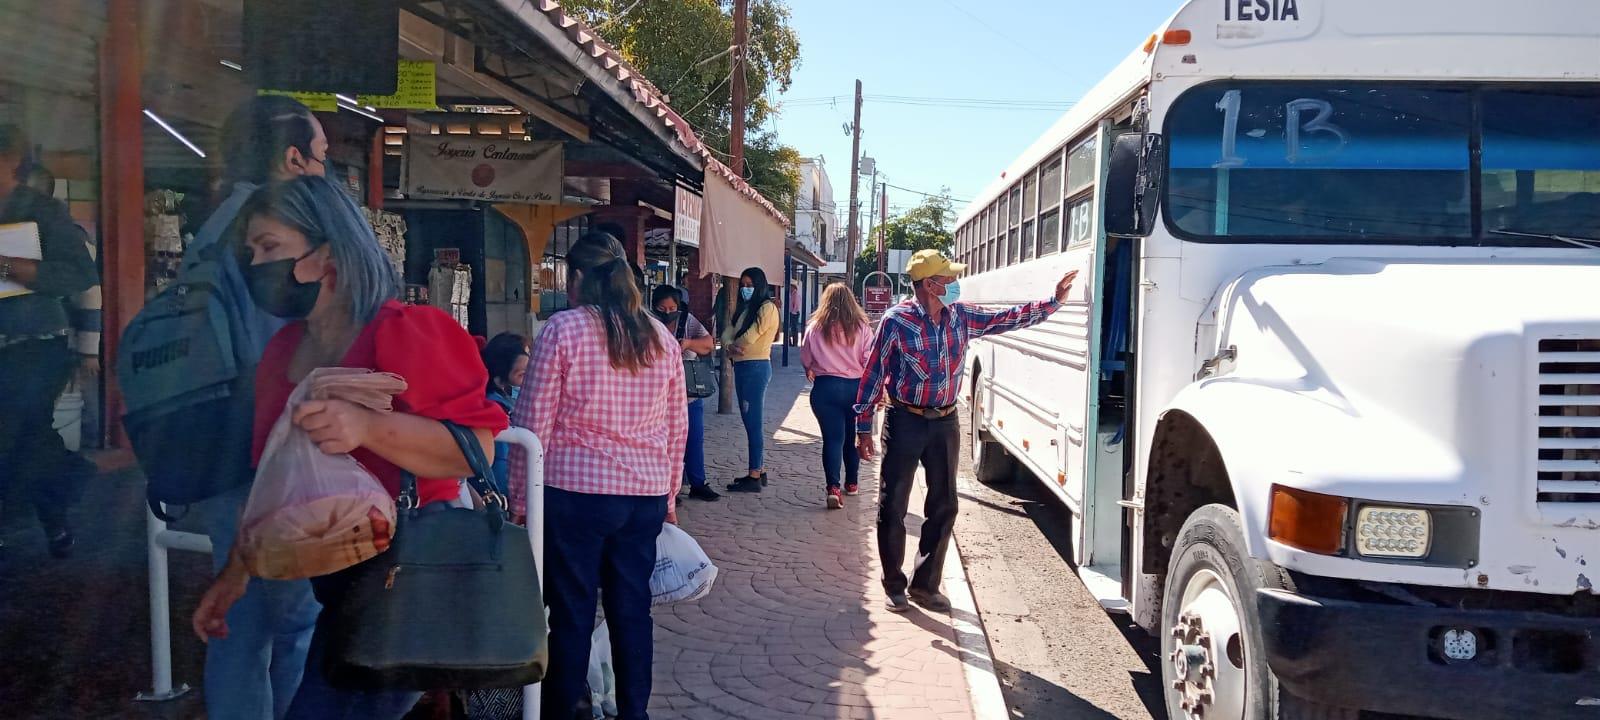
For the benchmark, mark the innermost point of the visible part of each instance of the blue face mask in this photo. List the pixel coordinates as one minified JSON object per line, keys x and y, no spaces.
{"x":515,"y":392}
{"x":952,"y":293}
{"x":747,"y":292}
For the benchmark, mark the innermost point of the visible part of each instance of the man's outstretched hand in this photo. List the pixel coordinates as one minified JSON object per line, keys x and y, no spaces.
{"x":1065,"y":286}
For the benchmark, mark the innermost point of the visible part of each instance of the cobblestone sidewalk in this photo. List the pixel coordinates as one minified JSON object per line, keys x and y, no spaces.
{"x":795,"y":627}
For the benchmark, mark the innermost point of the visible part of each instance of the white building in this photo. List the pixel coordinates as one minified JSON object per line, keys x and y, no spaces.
{"x":816,"y":215}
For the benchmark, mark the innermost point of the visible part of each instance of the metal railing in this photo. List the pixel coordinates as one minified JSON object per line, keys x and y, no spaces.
{"x":160,"y":539}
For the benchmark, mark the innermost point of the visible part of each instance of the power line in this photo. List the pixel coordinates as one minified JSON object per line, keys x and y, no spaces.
{"x":703,"y":100}
{"x":928,"y":101}
{"x":944,"y":195}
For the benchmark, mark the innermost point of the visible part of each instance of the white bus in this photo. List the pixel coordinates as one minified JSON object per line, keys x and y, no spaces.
{"x":1326,"y":410}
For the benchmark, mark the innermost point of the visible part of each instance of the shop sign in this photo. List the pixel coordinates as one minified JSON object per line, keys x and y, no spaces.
{"x":490,"y":170}
{"x":416,"y":89}
{"x":686,"y":208}
{"x":317,"y":102}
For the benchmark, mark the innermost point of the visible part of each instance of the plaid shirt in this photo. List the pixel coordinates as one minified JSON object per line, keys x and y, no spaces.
{"x":921,"y":359}
{"x":605,"y":431}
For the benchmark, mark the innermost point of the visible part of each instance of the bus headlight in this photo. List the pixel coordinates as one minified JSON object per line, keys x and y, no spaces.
{"x":1394,"y":532}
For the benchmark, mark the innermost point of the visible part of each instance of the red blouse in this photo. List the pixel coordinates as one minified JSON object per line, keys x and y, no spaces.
{"x":444,"y":375}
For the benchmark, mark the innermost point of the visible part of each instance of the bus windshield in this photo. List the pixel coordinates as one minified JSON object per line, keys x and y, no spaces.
{"x":1384,"y":162}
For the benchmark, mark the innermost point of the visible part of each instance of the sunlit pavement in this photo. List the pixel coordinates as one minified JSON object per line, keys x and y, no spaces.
{"x":796,"y":625}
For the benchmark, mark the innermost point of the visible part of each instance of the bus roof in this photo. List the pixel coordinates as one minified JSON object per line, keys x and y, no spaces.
{"x":1463,"y":40}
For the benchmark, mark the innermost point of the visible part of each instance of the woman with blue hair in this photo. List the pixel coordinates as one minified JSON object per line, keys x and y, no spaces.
{"x":311,"y":258}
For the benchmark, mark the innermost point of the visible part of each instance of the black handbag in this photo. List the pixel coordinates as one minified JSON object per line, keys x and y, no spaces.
{"x":455,"y":603}
{"x":698,"y":378}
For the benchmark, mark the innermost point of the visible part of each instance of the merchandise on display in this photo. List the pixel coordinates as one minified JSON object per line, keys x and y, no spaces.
{"x":391,"y":231}
{"x":450,"y":289}
{"x":163,"y":239}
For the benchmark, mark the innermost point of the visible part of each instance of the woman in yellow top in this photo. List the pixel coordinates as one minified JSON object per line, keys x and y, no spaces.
{"x":748,"y":341}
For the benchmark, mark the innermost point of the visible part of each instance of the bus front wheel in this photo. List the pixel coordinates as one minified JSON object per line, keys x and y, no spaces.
{"x":1212,"y":664}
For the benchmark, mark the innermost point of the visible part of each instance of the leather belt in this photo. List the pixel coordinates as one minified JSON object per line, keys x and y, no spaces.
{"x":926,"y":412}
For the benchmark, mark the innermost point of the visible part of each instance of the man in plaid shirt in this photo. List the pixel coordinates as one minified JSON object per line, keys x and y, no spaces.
{"x":918,"y":354}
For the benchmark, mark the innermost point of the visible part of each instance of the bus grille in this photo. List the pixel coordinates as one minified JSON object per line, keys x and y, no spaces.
{"x":1569,"y":421}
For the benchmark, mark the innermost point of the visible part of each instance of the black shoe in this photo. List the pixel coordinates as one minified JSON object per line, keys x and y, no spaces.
{"x":763,"y":479}
{"x":934,"y":601}
{"x":745,"y":485}
{"x":61,"y":543}
{"x":897,"y":603}
{"x":704,"y":492}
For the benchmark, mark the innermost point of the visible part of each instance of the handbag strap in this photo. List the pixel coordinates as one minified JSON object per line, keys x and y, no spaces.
{"x":472,"y":450}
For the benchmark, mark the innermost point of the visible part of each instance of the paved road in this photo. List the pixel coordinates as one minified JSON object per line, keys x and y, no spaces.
{"x":1059,"y":656}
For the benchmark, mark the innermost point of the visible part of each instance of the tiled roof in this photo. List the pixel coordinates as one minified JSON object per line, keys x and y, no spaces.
{"x":648,"y":95}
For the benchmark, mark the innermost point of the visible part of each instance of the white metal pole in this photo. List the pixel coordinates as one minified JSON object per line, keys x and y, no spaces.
{"x":160,"y":612}
{"x":531,"y":694}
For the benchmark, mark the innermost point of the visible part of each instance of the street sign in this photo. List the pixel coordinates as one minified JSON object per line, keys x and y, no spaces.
{"x":876,"y":300}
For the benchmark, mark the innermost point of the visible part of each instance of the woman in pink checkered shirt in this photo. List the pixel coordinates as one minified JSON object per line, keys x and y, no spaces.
{"x":604,"y":393}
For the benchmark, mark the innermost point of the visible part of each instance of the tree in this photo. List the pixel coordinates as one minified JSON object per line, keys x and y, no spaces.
{"x":924,"y":227}
{"x":682,"y":46}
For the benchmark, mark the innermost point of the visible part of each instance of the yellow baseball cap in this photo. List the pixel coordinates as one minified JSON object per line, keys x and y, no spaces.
{"x":932,"y":263}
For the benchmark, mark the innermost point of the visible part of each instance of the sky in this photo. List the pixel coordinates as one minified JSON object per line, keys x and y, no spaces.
{"x":1044,"y":51}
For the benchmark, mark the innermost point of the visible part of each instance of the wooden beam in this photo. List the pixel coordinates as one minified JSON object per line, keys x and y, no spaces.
{"x":455,"y":65}
{"x":121,"y":193}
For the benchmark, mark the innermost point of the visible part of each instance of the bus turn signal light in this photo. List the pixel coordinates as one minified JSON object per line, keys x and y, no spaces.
{"x":1306,"y":520}
{"x":1176,"y":37}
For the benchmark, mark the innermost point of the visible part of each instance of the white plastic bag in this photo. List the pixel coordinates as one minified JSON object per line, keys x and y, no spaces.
{"x":683,"y":571}
{"x":310,"y":513}
{"x":602,"y":674}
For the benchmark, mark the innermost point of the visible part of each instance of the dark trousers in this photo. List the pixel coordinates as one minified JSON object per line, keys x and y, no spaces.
{"x":833,"y":402}
{"x":32,"y":374}
{"x":597,"y":543}
{"x":909,"y":439}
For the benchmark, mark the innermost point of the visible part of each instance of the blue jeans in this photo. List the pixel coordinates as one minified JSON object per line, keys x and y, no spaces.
{"x":750,"y":378}
{"x":605,"y":545}
{"x":694,"y":451}
{"x":254,"y":672}
{"x":317,"y":700}
{"x":833,"y":402}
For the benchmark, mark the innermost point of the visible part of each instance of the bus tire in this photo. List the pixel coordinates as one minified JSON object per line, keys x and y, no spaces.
{"x":1211,"y":646}
{"x":991,"y":464}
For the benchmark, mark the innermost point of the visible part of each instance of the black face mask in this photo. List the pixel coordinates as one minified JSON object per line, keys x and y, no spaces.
{"x":669,"y":319}
{"x":273,"y":287}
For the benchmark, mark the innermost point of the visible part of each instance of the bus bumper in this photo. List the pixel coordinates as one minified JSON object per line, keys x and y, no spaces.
{"x":1392,"y":658}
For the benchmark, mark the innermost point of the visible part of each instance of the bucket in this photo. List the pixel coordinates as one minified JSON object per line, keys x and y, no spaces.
{"x":69,"y":419}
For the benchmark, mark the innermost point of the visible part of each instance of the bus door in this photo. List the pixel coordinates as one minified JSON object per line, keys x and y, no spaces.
{"x":1110,"y":410}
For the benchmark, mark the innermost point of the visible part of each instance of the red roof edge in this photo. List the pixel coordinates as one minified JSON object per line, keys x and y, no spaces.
{"x":606,"y":57}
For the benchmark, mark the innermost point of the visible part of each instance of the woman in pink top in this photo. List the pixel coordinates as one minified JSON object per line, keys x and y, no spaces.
{"x":837,"y":344}
{"x":604,"y":393}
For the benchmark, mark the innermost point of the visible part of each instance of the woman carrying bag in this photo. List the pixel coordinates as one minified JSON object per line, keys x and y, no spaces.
{"x":605,"y":395}
{"x":311,"y":258}
{"x":697,"y":343}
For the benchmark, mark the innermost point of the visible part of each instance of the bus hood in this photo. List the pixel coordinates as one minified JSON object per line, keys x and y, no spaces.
{"x":1472,"y":384}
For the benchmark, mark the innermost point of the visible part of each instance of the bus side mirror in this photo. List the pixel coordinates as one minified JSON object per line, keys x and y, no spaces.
{"x":1133,"y":184}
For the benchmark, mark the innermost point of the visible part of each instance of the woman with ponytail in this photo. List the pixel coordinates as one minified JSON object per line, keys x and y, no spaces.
{"x":748,"y":340}
{"x":604,"y":393}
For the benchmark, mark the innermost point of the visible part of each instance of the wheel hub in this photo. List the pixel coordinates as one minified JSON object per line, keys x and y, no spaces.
{"x":1193,"y":667}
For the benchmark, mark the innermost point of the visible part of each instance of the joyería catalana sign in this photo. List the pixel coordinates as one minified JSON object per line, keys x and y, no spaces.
{"x":490,"y":170}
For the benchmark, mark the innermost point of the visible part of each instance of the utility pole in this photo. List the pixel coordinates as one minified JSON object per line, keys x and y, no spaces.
{"x":741,"y":39}
{"x":883,"y":227}
{"x":855,"y":187}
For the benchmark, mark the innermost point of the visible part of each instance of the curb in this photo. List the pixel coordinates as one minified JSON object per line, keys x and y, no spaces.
{"x":983,"y":685}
